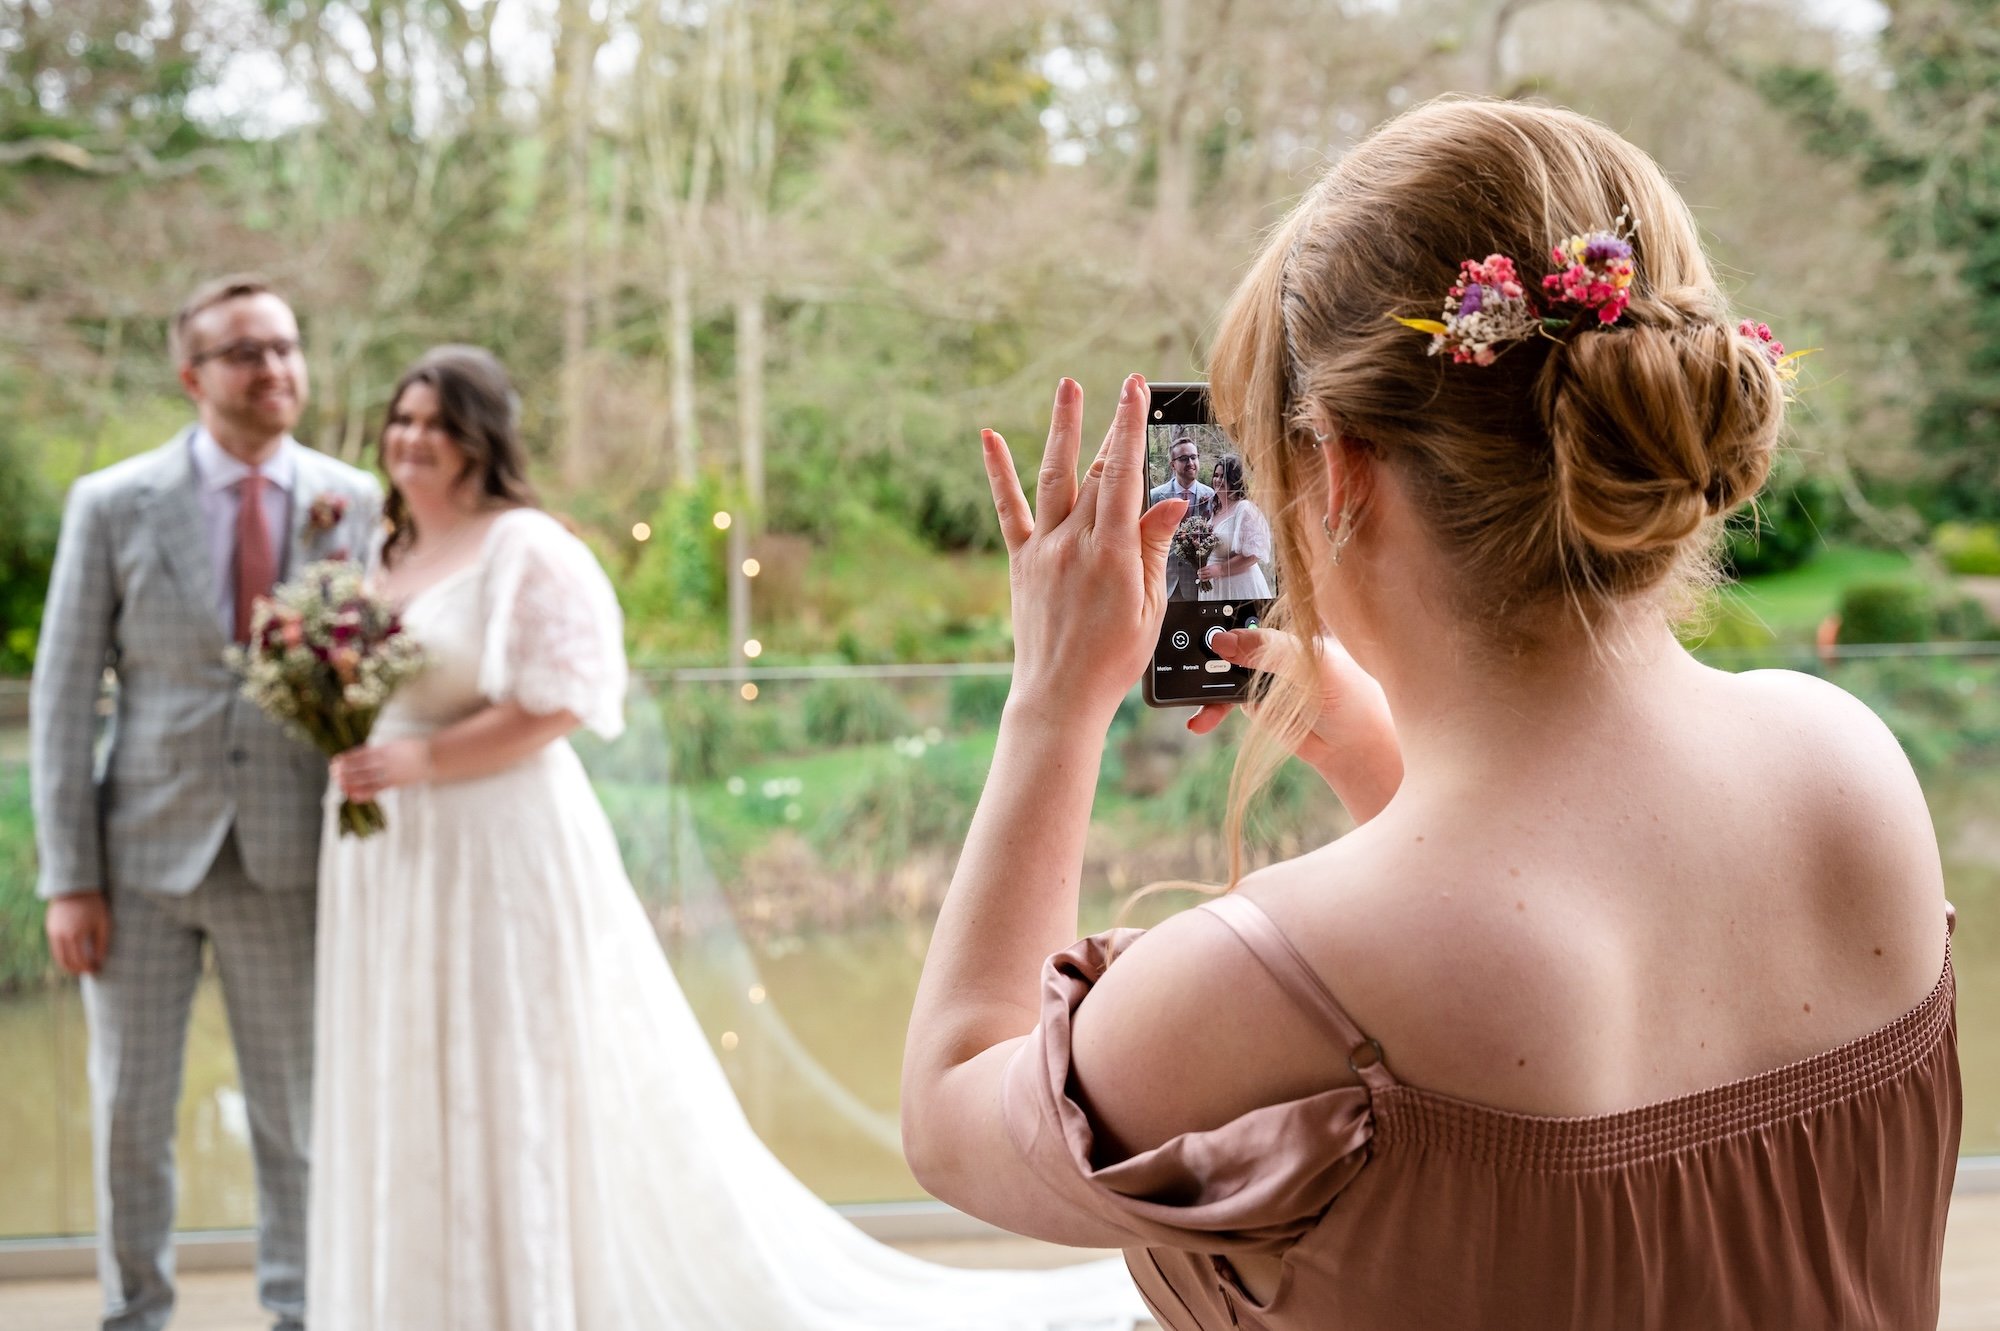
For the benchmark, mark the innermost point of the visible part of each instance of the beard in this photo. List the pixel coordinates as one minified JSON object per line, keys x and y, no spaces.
{"x":274,"y":413}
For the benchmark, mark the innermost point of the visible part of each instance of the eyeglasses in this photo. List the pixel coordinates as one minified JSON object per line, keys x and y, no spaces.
{"x":1187,"y":457}
{"x":249,"y":353}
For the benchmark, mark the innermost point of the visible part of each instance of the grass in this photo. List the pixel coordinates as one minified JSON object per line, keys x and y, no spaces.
{"x":1792,"y":604}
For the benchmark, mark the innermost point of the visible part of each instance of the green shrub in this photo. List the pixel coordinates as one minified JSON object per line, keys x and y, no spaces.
{"x":24,"y":955}
{"x":840,"y":712}
{"x":675,"y":588}
{"x":1967,"y":547}
{"x":922,"y":800}
{"x":710,"y":731}
{"x":30,"y":513}
{"x":976,"y":701}
{"x":1294,"y":802}
{"x":1886,"y":612}
{"x":1964,"y":619}
{"x":1784,"y":527}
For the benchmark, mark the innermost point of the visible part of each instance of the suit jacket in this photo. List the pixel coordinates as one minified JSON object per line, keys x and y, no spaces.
{"x":189,"y":757}
{"x":1201,"y":506}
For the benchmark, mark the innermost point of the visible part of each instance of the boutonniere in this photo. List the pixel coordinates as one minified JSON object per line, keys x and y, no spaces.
{"x":326,"y":513}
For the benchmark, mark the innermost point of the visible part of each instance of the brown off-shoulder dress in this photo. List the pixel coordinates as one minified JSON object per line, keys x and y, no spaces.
{"x":1812,"y":1195}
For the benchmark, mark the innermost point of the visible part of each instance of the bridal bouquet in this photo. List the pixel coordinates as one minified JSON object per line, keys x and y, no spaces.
{"x":1194,"y":541}
{"x":323,"y":657}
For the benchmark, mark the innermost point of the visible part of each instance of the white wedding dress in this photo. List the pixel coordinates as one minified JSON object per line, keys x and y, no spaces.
{"x":1241,"y":531}
{"x":518,"y":1123}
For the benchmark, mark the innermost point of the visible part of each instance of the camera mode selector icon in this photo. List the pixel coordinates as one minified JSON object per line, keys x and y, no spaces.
{"x":1181,"y":640}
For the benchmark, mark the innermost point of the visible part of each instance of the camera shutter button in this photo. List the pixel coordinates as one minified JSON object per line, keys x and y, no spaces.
{"x":1208,"y":638}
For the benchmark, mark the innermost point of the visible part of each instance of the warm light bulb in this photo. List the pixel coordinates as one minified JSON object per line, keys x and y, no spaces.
{"x":729,"y":1039}
{"x":749,"y":692}
{"x":722,"y":521}
{"x":756,"y":993}
{"x":751,"y":568}
{"x":642,"y":531}
{"x":751,"y":647}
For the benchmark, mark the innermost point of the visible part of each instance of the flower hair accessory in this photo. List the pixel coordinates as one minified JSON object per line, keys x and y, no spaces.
{"x":1489,"y":307}
{"x":1784,"y":362}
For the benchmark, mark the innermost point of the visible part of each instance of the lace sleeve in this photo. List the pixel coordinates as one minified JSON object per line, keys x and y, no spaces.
{"x":554,"y":633}
{"x":1253,"y":534}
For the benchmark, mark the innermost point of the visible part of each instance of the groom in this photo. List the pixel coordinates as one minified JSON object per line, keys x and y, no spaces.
{"x":202,"y":824}
{"x":1185,"y":458}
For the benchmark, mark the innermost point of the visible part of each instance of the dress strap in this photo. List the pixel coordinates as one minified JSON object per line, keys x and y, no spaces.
{"x":1277,"y":954}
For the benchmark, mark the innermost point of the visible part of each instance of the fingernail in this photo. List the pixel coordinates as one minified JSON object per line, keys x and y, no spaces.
{"x":1067,"y":391}
{"x":1131,"y":393}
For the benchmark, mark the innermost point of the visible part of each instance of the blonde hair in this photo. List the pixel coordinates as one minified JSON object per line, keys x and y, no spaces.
{"x":1578,"y":471}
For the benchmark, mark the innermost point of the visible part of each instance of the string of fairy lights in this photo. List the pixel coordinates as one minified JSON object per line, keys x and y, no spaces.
{"x":743,"y":647}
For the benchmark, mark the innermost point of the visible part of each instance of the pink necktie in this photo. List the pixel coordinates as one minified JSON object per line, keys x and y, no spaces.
{"x":256,"y":565}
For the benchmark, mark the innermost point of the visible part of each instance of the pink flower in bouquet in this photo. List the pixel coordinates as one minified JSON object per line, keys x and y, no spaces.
{"x":1194,"y":541}
{"x":323,"y":658}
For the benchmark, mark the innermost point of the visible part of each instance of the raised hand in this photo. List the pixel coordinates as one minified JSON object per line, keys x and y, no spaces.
{"x":1087,"y":567}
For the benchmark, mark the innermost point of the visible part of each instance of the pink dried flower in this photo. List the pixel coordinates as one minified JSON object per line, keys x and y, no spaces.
{"x":1594,"y":271}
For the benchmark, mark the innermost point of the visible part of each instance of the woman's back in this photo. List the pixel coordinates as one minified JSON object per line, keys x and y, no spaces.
{"x":1717,"y":877}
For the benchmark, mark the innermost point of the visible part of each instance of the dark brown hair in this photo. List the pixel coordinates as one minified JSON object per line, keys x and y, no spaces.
{"x":1231,"y":467}
{"x":215,"y":291}
{"x":479,"y":409}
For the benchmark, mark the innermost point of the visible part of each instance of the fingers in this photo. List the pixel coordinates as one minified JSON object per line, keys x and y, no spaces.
{"x":1208,"y":716}
{"x":1017,"y":524}
{"x":1255,"y":649}
{"x":97,"y":942}
{"x":62,"y":948}
{"x":1117,"y":477}
{"x":1124,"y":451}
{"x":1055,"y":487}
{"x":1156,"y":536}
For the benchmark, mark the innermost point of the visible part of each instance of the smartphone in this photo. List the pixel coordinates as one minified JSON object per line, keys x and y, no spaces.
{"x":1187,"y":456}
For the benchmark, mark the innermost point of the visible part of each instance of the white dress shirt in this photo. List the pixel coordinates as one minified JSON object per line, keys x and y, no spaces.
{"x":218,"y":474}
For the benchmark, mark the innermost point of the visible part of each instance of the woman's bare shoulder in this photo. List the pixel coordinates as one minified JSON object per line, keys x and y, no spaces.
{"x":1187,"y":1031}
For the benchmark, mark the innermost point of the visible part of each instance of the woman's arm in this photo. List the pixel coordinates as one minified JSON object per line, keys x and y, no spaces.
{"x":1087,"y":603}
{"x":490,"y":740}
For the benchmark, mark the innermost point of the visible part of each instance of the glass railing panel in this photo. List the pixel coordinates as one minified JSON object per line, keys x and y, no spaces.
{"x":791,"y":851}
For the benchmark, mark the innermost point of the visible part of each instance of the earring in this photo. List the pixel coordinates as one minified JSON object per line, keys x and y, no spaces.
{"x":1339,"y":537}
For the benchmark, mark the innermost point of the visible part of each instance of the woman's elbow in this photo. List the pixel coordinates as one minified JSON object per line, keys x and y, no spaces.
{"x":934,"y":1145}
{"x":927,"y":1147}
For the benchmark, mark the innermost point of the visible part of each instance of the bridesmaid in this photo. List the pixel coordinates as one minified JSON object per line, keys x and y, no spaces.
{"x":1628,"y":1001}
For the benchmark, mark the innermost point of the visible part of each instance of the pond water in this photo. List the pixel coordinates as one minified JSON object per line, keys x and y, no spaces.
{"x":815,"y":1063}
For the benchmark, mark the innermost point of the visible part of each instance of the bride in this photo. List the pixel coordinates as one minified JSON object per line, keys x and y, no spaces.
{"x":518,"y":1123}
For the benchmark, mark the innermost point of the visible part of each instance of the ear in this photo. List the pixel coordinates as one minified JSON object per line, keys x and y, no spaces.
{"x":190,"y":380}
{"x":1350,"y":475}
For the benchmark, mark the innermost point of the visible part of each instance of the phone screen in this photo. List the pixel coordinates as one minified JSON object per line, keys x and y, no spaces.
{"x":1219,"y":573}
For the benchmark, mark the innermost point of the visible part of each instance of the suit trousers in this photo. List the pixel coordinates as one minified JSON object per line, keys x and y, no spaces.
{"x":137,"y":1006}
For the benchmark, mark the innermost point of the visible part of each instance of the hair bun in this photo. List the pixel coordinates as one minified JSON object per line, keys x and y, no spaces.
{"x":1657,"y":423}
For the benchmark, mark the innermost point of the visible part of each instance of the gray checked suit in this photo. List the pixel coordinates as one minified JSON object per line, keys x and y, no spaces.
{"x":1182,"y":585}
{"x":201,"y":825}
